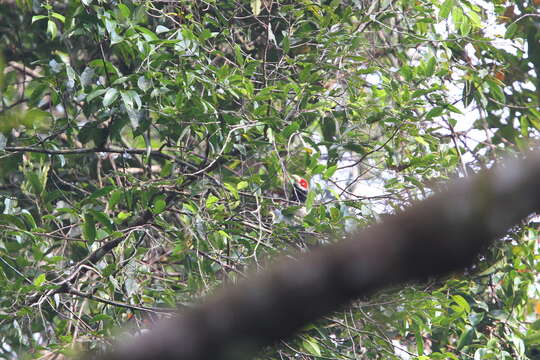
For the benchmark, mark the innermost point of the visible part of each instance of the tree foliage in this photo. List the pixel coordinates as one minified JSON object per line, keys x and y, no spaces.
{"x":147,"y":150}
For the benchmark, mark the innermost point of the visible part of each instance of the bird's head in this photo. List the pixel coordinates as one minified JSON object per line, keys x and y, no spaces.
{"x":300,"y":183}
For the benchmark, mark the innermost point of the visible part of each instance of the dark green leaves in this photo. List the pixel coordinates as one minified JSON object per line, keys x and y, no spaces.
{"x":171,"y":134}
{"x":89,"y":228}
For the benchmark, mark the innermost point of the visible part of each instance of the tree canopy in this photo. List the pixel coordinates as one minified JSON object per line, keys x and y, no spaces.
{"x":147,"y":154}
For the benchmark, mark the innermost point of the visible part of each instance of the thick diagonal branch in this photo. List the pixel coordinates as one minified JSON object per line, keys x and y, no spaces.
{"x":438,"y":236}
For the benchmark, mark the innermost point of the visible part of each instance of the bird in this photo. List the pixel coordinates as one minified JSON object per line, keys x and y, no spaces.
{"x":298,"y":194}
{"x":300,"y":189}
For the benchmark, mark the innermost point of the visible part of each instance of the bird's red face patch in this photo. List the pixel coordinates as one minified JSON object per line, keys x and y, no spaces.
{"x":303,"y":183}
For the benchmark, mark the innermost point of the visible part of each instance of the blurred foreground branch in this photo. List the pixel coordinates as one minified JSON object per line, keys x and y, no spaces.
{"x":432,"y":238}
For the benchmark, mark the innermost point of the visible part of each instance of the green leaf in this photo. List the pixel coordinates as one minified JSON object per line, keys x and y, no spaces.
{"x":534,"y":337}
{"x":104,"y":67}
{"x":309,"y":200}
{"x":242,"y":185}
{"x":40,"y":280}
{"x":103,"y":219}
{"x":465,"y":27}
{"x":59,"y":17}
{"x":89,"y":228}
{"x":453,"y":109}
{"x":101,"y":317}
{"x":12,"y":220}
{"x":104,"y":191}
{"x":159,"y":205}
{"x":87,"y":132}
{"x":469,"y":92}
{"x":460,"y":300}
{"x":466,"y":337}
{"x":115,"y":198}
{"x":430,"y":66}
{"x":445,"y":9}
{"x":355,"y":147}
{"x":35,"y":183}
{"x":535,"y":122}
{"x":232,"y":189}
{"x":436,"y":111}
{"x":123,"y":215}
{"x":335,"y":214}
{"x":148,"y":34}
{"x":511,"y":30}
{"x":329,"y":172}
{"x":286,"y":44}
{"x":457,"y":16}
{"x":238,"y":55}
{"x":407,"y":72}
{"x":496,"y":91}
{"x":110,"y":97}
{"x":72,"y":76}
{"x":124,"y":10}
{"x":311,"y":346}
{"x":475,"y":19}
{"x":328,"y":127}
{"x":35,"y":118}
{"x":38,"y":17}
{"x":127,"y":99}
{"x":143,"y":83}
{"x":95,"y":94}
{"x":52,"y":29}
{"x":289,"y":130}
{"x":419,"y":342}
{"x":519,"y":346}
{"x":211,"y":201}
{"x":524,"y":126}
{"x":29,"y":219}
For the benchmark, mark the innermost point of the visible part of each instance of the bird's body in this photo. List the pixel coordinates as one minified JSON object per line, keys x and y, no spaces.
{"x":300,"y":189}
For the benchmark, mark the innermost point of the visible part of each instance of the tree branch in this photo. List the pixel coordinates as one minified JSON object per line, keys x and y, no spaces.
{"x":440,"y":235}
{"x":120,"y":304}
{"x":155,"y":153}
